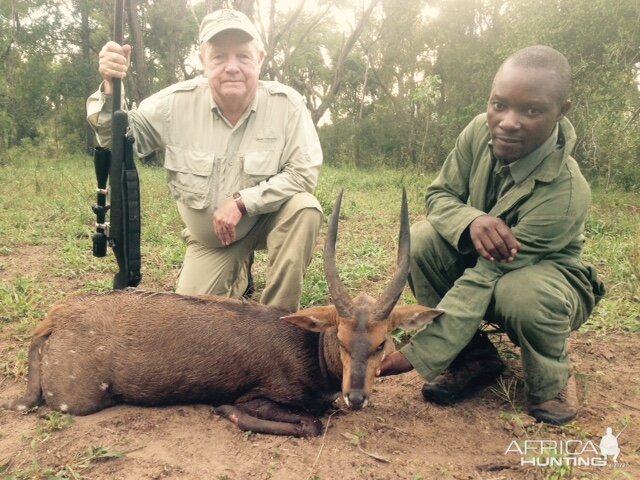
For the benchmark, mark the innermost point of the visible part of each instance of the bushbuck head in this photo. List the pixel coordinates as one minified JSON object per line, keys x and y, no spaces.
{"x":363,"y":323}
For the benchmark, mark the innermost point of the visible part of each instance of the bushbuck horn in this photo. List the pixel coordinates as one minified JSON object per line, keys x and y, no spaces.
{"x":341,"y":298}
{"x":394,"y":289}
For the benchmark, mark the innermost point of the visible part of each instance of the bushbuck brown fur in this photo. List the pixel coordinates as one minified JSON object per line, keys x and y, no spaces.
{"x":264,"y":369}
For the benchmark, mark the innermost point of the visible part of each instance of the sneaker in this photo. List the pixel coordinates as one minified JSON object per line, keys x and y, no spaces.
{"x":560,"y":409}
{"x":477,"y":366}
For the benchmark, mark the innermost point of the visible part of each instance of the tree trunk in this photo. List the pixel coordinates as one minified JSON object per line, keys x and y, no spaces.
{"x":140,"y":77}
{"x":178,"y":10}
{"x":273,"y":39}
{"x":85,"y":40}
{"x":347,"y":46}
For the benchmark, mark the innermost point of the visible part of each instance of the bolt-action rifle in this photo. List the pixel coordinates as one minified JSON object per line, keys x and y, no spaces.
{"x":122,"y":232}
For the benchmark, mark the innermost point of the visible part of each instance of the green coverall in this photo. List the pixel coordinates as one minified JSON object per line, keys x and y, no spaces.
{"x":537,"y":299}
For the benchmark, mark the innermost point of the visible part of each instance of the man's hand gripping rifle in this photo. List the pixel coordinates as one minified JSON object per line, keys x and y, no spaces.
{"x":122,"y":232}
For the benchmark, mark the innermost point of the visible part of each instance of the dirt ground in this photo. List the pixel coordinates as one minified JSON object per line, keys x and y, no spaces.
{"x":397,"y":436}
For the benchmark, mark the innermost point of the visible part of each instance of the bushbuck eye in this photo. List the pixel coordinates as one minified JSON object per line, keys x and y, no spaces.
{"x":381,"y":346}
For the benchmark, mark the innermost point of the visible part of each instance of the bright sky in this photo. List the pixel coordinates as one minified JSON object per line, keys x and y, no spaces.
{"x":285,"y":6}
{"x":344,"y":16}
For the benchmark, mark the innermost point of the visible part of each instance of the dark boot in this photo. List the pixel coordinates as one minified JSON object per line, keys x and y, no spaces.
{"x":560,"y":409}
{"x":477,"y":366}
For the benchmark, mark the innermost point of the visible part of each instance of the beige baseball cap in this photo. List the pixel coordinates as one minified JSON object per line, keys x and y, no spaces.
{"x":226,"y":19}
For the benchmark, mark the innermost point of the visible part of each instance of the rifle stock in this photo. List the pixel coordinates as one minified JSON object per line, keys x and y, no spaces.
{"x":125,"y":205}
{"x":123,"y":231}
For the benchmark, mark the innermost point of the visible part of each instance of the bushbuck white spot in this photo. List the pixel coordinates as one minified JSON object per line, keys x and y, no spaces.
{"x":49,"y":394}
{"x":64,"y":407}
{"x":104,"y":386}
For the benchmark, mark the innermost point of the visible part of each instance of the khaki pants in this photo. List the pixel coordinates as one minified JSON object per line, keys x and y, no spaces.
{"x":289,"y":236}
{"x":537,"y":306}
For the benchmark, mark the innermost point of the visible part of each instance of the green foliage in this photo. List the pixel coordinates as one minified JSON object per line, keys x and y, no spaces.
{"x":417,"y":74}
{"x":53,"y":422}
{"x":599,"y":39}
{"x":400,"y":337}
{"x":356,"y":437}
{"x":38,"y":41}
{"x":316,"y":290}
{"x":19,"y":299}
{"x":432,"y":75}
{"x":613,"y":246}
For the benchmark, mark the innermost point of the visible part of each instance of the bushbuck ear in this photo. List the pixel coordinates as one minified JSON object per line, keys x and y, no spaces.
{"x":314,"y":319}
{"x":412,"y":317}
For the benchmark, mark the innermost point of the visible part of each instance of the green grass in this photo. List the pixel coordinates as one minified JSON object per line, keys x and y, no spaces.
{"x":47,"y":223}
{"x":613,"y":246}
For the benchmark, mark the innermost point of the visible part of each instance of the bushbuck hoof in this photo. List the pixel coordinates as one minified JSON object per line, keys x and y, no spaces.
{"x":22,"y":405}
{"x":229,"y":412}
{"x":311,"y":427}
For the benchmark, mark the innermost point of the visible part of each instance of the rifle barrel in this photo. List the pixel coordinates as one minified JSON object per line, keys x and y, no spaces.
{"x":118,"y":22}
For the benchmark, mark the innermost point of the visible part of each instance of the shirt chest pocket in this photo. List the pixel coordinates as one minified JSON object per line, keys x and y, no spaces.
{"x":260,"y":165}
{"x":188,"y":176}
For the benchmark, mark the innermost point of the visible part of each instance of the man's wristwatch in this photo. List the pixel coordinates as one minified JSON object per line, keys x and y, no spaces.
{"x":239,"y":203}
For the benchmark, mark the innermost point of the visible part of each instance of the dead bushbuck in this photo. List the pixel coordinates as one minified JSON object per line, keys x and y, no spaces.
{"x":264,"y":369}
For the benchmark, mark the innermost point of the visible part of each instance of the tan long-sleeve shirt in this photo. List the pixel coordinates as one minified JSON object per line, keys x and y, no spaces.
{"x":272,"y":153}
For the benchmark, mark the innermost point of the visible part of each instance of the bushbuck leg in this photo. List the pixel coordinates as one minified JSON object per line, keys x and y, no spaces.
{"x":264,"y":416}
{"x":33,"y":395}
